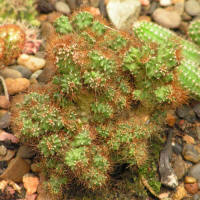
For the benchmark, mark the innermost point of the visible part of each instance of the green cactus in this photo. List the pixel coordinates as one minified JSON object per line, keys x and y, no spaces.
{"x":194,"y":31}
{"x":98,"y":110}
{"x":18,"y":10}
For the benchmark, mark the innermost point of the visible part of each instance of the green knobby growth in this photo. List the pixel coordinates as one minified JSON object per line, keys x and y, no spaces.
{"x":194,"y":31}
{"x":62,"y":25}
{"x":20,"y":10}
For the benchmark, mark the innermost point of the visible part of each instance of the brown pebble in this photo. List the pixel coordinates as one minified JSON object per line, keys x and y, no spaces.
{"x":190,"y":179}
{"x":4,"y":102}
{"x":191,"y":188}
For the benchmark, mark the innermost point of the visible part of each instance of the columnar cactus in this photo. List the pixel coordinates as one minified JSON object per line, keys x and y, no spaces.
{"x":88,"y":118}
{"x":194,"y":31}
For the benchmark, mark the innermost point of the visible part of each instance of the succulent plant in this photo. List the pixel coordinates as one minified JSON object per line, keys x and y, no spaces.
{"x":99,"y":109}
{"x":18,"y":10}
{"x":194,"y":31}
{"x":12,"y":39}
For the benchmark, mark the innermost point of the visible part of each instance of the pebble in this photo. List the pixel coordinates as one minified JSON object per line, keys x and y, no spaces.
{"x":4,"y":136}
{"x":153,"y":7}
{"x":26,"y":73}
{"x":31,"y":183}
{"x":94,"y":3}
{"x":72,"y":4}
{"x":190,"y":179}
{"x":182,"y":111}
{"x":123,"y":13}
{"x":62,"y":7}
{"x":15,"y":86}
{"x":179,"y":6}
{"x":4,"y":102}
{"x":191,"y":153}
{"x":179,"y":167}
{"x":165,"y":2}
{"x":145,"y":2}
{"x":36,"y":74}
{"x":31,"y":62}
{"x":192,"y":7}
{"x":4,"y":119}
{"x":192,"y":188}
{"x":10,"y":73}
{"x":197,"y":110}
{"x":167,"y":18}
{"x":16,"y":169}
{"x":31,"y":196}
{"x":3,"y":150}
{"x":25,"y":152}
{"x":9,"y":155}
{"x":194,"y":171}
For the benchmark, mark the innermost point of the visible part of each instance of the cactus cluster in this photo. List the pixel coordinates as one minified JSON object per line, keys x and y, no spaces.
{"x":18,"y":10}
{"x":98,"y":110}
{"x":12,"y":39}
{"x":194,"y":31}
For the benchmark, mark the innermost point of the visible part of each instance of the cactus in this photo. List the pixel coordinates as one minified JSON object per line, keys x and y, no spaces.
{"x":148,"y":31}
{"x":12,"y":43}
{"x":18,"y":10}
{"x":88,"y":119}
{"x":194,"y":31}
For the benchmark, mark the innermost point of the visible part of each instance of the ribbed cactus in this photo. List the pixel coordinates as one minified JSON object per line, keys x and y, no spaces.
{"x":194,"y":31}
{"x":188,"y":72}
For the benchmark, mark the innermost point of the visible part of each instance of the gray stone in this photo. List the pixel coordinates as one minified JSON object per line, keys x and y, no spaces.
{"x":197,"y":110}
{"x":10,"y":73}
{"x":194,"y":171}
{"x":182,"y":111}
{"x":36,"y":74}
{"x":62,"y":7}
{"x":191,"y":153}
{"x":167,"y":18}
{"x":26,"y":73}
{"x":192,"y":7}
{"x":4,"y":120}
{"x":123,"y":13}
{"x":25,"y":152}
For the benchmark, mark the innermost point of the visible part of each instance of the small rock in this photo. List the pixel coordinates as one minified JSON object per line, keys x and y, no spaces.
{"x":16,"y":169}
{"x":3,"y":166}
{"x":36,"y":74}
{"x":167,"y":18}
{"x":196,"y":197}
{"x":62,"y":7}
{"x":198,"y":132}
{"x":7,"y":136}
{"x":197,"y":110}
{"x":31,"y":62}
{"x":170,"y":119}
{"x":179,"y":6}
{"x":186,"y":17}
{"x":190,"y":179}
{"x":10,"y":73}
{"x":47,"y":29}
{"x":191,"y":153}
{"x":26,"y":73}
{"x":31,"y":197}
{"x":182,"y":111}
{"x":192,"y":7}
{"x":184,"y":27}
{"x":177,"y":148}
{"x":153,"y":7}
{"x":144,"y":18}
{"x":15,"y":86}
{"x":94,"y":3}
{"x":4,"y":102}
{"x":123,"y":13}
{"x":48,"y":72}
{"x":31,"y":183}
{"x":179,"y":167}
{"x":25,"y":152}
{"x":44,"y":6}
{"x":165,"y":2}
{"x":9,"y":155}
{"x":72,"y":4}
{"x":145,"y":2}
{"x":3,"y":150}
{"x":180,"y":193}
{"x":188,"y":139}
{"x":194,"y":171}
{"x":191,"y":188}
{"x":4,"y":119}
